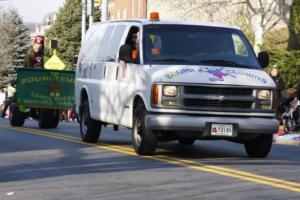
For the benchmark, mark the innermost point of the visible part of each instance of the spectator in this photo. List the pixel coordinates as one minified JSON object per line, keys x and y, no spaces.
{"x":2,"y":98}
{"x":289,"y":94}
{"x":11,"y":90}
{"x":274,"y":73}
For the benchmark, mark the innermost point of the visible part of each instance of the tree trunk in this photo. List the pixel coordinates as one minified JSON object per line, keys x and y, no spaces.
{"x":258,"y":32}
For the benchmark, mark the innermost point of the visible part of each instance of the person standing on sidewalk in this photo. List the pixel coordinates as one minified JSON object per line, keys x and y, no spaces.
{"x":11,"y":90}
{"x":280,"y":85}
{"x":2,"y":98}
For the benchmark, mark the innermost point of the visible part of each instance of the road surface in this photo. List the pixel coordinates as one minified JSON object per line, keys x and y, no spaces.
{"x":56,"y":164}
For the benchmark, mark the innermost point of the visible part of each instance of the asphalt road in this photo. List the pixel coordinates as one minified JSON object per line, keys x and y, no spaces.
{"x":54,"y":164}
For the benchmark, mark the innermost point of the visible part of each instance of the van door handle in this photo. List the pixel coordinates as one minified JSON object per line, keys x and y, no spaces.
{"x":104,"y":72}
{"x":117,"y":73}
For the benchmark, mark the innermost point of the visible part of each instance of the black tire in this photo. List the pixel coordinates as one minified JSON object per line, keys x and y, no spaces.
{"x":16,"y":118}
{"x":54,"y":118}
{"x":90,"y":129}
{"x":259,"y":147}
{"x":48,"y":118}
{"x":186,"y":141}
{"x":144,"y":141}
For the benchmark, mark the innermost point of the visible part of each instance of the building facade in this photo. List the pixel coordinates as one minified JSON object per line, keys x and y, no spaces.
{"x":127,"y":9}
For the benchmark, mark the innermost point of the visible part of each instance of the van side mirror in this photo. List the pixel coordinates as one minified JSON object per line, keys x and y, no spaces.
{"x":263,"y":58}
{"x":125,"y":53}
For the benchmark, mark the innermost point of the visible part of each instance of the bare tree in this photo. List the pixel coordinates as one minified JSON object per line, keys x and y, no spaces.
{"x":262,"y":15}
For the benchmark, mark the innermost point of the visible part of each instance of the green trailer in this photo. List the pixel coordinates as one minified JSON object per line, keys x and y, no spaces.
{"x":40,"y":95}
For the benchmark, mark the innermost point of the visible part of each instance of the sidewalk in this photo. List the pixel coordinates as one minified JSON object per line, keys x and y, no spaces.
{"x":292,"y":138}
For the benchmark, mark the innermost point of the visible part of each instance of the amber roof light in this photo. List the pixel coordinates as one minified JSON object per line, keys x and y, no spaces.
{"x":154,"y":16}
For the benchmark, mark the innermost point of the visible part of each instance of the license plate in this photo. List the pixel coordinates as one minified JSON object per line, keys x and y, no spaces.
{"x":221,"y":129}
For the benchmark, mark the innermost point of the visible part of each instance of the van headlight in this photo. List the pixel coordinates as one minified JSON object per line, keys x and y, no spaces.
{"x":264,"y":99}
{"x":264,"y":95}
{"x":170,"y":91}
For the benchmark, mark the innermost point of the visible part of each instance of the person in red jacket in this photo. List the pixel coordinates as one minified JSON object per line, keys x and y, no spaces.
{"x":35,"y":54}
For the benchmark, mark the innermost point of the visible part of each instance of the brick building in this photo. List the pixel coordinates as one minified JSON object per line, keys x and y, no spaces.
{"x":127,"y":9}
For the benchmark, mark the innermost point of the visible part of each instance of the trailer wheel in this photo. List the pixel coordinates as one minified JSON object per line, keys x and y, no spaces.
{"x":16,"y":118}
{"x":259,"y":147}
{"x":48,"y":118}
{"x":90,"y":129}
{"x":54,"y":121}
{"x":144,"y":140}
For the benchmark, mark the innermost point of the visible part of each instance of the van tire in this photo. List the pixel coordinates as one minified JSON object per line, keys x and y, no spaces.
{"x":16,"y":118}
{"x":144,"y":141}
{"x":89,"y":128}
{"x":186,"y":141}
{"x":259,"y":147}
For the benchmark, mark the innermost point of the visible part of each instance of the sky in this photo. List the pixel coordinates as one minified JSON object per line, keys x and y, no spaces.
{"x":33,"y":10}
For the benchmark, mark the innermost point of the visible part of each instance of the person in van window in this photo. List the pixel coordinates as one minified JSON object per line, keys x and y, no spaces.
{"x":35,"y":54}
{"x":274,"y":73}
{"x":135,"y":46}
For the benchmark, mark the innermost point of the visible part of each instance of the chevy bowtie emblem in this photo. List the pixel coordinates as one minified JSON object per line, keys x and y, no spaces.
{"x":219,"y":98}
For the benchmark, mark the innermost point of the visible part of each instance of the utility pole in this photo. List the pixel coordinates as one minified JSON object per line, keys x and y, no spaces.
{"x":90,"y":12}
{"x":104,"y":10}
{"x":83,"y":22}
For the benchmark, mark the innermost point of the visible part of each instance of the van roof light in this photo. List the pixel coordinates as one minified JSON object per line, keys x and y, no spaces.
{"x":154,"y":16}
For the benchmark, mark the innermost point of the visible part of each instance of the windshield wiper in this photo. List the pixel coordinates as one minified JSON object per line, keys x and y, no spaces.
{"x":169,"y":60}
{"x":228,"y":63}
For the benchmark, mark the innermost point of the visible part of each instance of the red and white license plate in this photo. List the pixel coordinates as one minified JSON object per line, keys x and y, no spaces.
{"x":221,"y":129}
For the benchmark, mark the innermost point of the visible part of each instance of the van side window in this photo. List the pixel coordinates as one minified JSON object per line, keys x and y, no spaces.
{"x":88,"y":44}
{"x":115,"y":43}
{"x":103,"y":45}
{"x":95,"y":39}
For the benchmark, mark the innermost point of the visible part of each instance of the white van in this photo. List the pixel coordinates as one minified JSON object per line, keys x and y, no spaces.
{"x":174,"y":80}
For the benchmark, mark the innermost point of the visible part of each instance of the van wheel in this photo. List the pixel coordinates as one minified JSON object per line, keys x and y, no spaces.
{"x":16,"y":118}
{"x":89,"y":128}
{"x":144,"y":140}
{"x":259,"y":147}
{"x":186,"y":141}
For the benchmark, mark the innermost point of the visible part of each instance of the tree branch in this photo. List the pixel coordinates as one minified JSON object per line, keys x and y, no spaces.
{"x":206,"y":5}
{"x":272,"y":26}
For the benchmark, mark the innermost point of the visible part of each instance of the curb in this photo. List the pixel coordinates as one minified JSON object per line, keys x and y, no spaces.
{"x":287,"y":142}
{"x":279,"y":140}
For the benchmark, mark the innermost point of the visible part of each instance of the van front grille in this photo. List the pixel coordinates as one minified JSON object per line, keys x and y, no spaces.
{"x":217,"y":104}
{"x":211,"y":98}
{"x":220,"y":91}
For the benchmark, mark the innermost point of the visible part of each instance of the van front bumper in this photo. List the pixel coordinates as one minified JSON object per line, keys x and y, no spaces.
{"x":202,"y":124}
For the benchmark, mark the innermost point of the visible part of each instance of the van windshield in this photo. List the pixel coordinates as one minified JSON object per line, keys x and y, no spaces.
{"x":197,"y":45}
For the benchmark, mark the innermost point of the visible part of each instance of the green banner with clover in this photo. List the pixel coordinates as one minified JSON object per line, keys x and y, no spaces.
{"x":45,"y":88}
